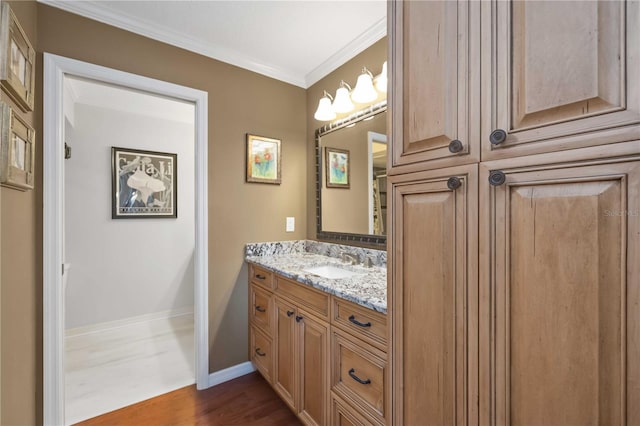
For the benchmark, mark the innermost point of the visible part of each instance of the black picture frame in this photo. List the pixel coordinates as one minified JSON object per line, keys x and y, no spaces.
{"x":144,"y":184}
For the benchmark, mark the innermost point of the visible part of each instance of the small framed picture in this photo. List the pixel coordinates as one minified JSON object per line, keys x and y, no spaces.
{"x":263,"y":159}
{"x":17,"y":60}
{"x":17,"y":156}
{"x":145,"y":184}
{"x":337,"y":168}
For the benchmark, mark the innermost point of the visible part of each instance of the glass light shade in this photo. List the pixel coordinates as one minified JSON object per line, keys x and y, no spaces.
{"x":342,"y":103}
{"x":381,"y":80}
{"x":364,"y":91}
{"x":324,"y":111}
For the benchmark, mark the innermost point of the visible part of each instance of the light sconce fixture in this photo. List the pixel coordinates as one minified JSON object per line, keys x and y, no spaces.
{"x":325,"y":112}
{"x":381,"y":79}
{"x":364,"y":91}
{"x":342,"y":102}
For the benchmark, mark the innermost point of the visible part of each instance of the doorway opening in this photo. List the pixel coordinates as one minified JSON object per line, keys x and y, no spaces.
{"x":149,"y":274}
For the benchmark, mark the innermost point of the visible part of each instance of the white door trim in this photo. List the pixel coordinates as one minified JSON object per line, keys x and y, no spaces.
{"x":55,"y":67}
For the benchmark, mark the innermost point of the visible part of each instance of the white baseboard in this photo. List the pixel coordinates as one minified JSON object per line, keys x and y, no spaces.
{"x":231,"y":373}
{"x":125,"y":322}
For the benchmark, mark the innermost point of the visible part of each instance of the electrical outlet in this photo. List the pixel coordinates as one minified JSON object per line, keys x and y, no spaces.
{"x":291,"y":224}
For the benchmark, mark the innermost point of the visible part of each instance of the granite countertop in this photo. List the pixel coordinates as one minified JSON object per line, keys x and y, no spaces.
{"x":368,"y":289}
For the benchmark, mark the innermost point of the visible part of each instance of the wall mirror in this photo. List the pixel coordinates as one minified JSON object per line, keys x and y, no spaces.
{"x":351,"y":178}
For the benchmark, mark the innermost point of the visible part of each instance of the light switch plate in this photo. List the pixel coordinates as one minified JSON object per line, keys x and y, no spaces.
{"x":291,"y":224}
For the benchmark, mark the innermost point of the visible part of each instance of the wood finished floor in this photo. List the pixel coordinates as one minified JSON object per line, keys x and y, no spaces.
{"x":247,"y":400}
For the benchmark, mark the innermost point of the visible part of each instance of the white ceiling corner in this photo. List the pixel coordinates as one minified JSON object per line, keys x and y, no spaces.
{"x":301,"y":52}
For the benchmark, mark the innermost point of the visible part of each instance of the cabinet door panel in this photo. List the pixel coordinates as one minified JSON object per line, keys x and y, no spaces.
{"x":560,"y":74}
{"x":314,"y":370}
{"x":434,"y":297}
{"x":434,"y":51}
{"x":284,"y":380}
{"x":564,"y":303}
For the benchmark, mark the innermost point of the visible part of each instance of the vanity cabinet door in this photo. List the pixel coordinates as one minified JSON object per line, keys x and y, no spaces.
{"x":313,"y":352}
{"x":560,"y":293}
{"x":435,"y":68}
{"x":285,"y":375}
{"x":434,"y":297}
{"x":558,"y":75}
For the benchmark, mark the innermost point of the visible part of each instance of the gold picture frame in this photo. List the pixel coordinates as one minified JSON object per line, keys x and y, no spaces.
{"x":263,"y":160}
{"x":17,"y":60}
{"x":17,"y":150}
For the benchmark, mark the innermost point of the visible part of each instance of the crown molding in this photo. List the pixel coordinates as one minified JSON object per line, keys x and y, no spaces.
{"x":103,"y":14}
{"x":100,"y":13}
{"x":376,"y":32}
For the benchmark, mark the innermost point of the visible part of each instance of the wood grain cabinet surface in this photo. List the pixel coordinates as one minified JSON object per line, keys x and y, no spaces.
{"x":560,"y":328}
{"x":514,"y":288}
{"x":290,"y":346}
{"x":435,"y":98}
{"x":559,"y":75}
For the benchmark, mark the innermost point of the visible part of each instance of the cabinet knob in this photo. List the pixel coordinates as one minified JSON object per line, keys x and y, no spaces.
{"x":497,"y":137}
{"x":454,"y":183}
{"x":497,"y":177}
{"x":455,"y":146}
{"x":289,"y":313}
{"x":299,"y":318}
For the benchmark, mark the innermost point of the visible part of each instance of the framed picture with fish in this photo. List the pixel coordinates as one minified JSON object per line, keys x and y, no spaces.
{"x":144,"y":185}
{"x":338,"y":169}
{"x":263,"y":159}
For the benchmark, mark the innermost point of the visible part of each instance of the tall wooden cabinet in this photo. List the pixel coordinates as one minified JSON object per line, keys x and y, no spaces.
{"x":515,"y":268}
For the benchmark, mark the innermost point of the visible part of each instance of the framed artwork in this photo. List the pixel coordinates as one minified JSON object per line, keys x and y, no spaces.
{"x":338,"y":169}
{"x":145,"y":184}
{"x":263,"y":159}
{"x":17,"y":152}
{"x":17,"y":60}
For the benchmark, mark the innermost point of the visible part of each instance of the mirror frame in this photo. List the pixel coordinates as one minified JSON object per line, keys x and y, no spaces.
{"x":378,"y":241}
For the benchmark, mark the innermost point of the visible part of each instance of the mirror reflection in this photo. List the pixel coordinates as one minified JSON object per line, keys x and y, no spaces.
{"x":353,"y":173}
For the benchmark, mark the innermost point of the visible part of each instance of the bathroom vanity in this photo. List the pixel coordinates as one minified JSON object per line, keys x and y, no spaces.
{"x":318,"y":329}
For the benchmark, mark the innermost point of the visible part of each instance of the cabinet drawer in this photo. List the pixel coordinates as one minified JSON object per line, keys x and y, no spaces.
{"x":359,"y":374}
{"x":314,"y":300}
{"x":261,"y":277}
{"x":261,"y":309}
{"x":362,"y":322}
{"x":343,"y":414}
{"x":261,"y":354}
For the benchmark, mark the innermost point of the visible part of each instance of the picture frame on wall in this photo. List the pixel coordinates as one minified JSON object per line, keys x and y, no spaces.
{"x":144,"y":184}
{"x":337,"y":168}
{"x":17,"y":60}
{"x":17,"y":150}
{"x":263,"y":160}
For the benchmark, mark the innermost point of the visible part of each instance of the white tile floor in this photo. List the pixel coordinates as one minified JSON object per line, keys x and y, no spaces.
{"x":114,"y":368}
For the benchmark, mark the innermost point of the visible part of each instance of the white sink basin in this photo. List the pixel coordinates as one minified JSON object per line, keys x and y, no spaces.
{"x":331,"y":272}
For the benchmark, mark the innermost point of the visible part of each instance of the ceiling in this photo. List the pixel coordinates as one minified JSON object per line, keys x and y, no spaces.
{"x":295,"y":41}
{"x":123,"y":99}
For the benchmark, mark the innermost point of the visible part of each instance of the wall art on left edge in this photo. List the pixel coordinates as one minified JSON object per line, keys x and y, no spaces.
{"x":145,"y":184}
{"x":17,"y":150}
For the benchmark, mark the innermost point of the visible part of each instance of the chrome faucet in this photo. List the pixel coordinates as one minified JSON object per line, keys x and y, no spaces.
{"x":348,"y":257}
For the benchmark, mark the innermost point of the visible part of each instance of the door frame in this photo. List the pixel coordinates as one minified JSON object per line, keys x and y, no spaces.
{"x":55,"y":68}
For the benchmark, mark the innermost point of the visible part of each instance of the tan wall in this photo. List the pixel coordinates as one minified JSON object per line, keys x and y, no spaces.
{"x":372,"y":58}
{"x":239,"y":102}
{"x":21,"y":320}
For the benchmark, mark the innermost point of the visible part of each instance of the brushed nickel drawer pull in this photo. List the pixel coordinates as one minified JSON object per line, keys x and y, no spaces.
{"x":358,"y":379}
{"x":259,"y":353}
{"x":261,"y":277}
{"x":260,"y":309}
{"x":353,"y":319}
